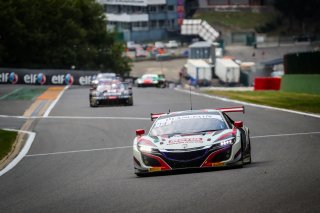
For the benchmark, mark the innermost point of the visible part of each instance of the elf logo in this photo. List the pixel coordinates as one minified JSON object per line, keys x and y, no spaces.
{"x":35,"y":78}
{"x":41,"y":78}
{"x":13,"y":78}
{"x":62,"y":79}
{"x":69,"y":79}
{"x":4,"y":77}
{"x":85,"y":80}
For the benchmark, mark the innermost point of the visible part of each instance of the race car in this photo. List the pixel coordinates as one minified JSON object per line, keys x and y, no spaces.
{"x":110,"y":91}
{"x":152,"y":80}
{"x":192,"y":139}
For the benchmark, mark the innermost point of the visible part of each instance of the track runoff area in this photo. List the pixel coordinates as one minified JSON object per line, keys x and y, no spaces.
{"x":53,"y":94}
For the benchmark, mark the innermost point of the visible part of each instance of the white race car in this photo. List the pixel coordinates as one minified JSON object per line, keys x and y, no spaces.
{"x":191,"y":139}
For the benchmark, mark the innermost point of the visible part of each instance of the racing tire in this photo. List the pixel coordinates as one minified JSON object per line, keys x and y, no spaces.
{"x":129,"y":101}
{"x":142,"y":174}
{"x":164,"y":85}
{"x":248,"y":159}
{"x":241,"y":162}
{"x":93,"y":103}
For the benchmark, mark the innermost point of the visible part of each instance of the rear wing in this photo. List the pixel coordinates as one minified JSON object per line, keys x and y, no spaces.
{"x":232,"y":109}
{"x":154,"y":116}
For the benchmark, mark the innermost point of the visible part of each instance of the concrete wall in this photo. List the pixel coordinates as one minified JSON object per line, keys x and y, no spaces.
{"x":301,"y":83}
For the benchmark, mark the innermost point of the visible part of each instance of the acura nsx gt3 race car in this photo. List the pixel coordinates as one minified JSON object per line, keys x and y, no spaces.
{"x":192,"y":139}
{"x":151,"y":80}
{"x":110,"y":90}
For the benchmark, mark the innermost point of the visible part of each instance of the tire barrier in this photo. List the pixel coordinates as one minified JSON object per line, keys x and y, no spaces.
{"x":267,"y":84}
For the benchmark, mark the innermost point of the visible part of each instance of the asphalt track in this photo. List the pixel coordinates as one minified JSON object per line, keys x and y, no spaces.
{"x":81,"y":161}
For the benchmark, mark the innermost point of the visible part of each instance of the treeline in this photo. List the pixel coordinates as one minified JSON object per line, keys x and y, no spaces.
{"x":58,"y":34}
{"x":301,"y":14}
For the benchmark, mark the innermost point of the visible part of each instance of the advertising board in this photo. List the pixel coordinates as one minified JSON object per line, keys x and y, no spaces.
{"x":46,"y":77}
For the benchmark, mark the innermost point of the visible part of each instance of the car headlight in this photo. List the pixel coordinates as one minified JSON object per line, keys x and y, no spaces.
{"x":125,"y":92}
{"x":96,"y":93}
{"x":227,"y":142}
{"x":147,"y":149}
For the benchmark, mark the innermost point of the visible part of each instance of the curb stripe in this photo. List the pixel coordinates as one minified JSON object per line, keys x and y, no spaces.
{"x":55,"y":101}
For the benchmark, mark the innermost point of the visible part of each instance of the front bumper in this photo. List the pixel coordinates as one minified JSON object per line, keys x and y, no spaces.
{"x":206,"y":158}
{"x":110,"y":97}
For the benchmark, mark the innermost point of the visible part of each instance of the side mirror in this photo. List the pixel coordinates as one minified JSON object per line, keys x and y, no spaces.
{"x":238,"y":124}
{"x":139,"y":132}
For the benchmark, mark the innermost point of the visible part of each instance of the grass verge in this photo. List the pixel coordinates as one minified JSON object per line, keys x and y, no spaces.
{"x":286,"y":100}
{"x":7,"y":139}
{"x":242,"y":20}
{"x":24,"y":94}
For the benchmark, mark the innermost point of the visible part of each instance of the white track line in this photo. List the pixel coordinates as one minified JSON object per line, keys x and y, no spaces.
{"x":125,"y":147}
{"x":55,"y":101}
{"x":22,"y":153}
{"x":108,"y":118}
{"x":77,"y":151}
{"x":73,"y":117}
{"x":283,"y":135}
{"x":14,"y":116}
{"x":10,"y":93}
{"x":246,"y":103}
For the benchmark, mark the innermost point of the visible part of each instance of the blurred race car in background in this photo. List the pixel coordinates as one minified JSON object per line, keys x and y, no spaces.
{"x":110,"y":91}
{"x":152,"y":80}
{"x":192,"y":139}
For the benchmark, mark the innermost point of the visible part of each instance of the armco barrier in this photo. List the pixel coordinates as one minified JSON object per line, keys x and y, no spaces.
{"x":301,"y":83}
{"x":267,"y":83}
{"x":42,"y":76}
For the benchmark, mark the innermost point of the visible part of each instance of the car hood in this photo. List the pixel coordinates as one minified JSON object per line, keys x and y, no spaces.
{"x":188,"y":141}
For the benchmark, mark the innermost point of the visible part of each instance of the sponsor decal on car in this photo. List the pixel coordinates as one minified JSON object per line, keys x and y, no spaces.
{"x":170,"y":120}
{"x":154,"y":169}
{"x":185,"y":141}
{"x":217,"y":164}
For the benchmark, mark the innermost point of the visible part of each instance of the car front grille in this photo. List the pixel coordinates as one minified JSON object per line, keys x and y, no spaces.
{"x":185,"y":156}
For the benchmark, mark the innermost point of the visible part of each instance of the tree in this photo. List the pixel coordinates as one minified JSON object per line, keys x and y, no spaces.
{"x":305,"y":13}
{"x":58,"y":34}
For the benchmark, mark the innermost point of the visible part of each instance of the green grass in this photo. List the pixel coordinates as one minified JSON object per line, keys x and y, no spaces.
{"x":24,"y":94}
{"x":7,"y":139}
{"x":287,"y":100}
{"x":238,"y":20}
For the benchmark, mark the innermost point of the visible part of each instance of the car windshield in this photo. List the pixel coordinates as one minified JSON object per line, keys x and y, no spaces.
{"x":106,"y":76}
{"x":110,"y":86}
{"x":151,"y":77}
{"x":188,"y":123}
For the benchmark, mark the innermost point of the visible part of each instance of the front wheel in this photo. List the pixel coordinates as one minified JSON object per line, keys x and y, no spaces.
{"x":247,"y":159}
{"x":93,"y":103}
{"x":129,"y":101}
